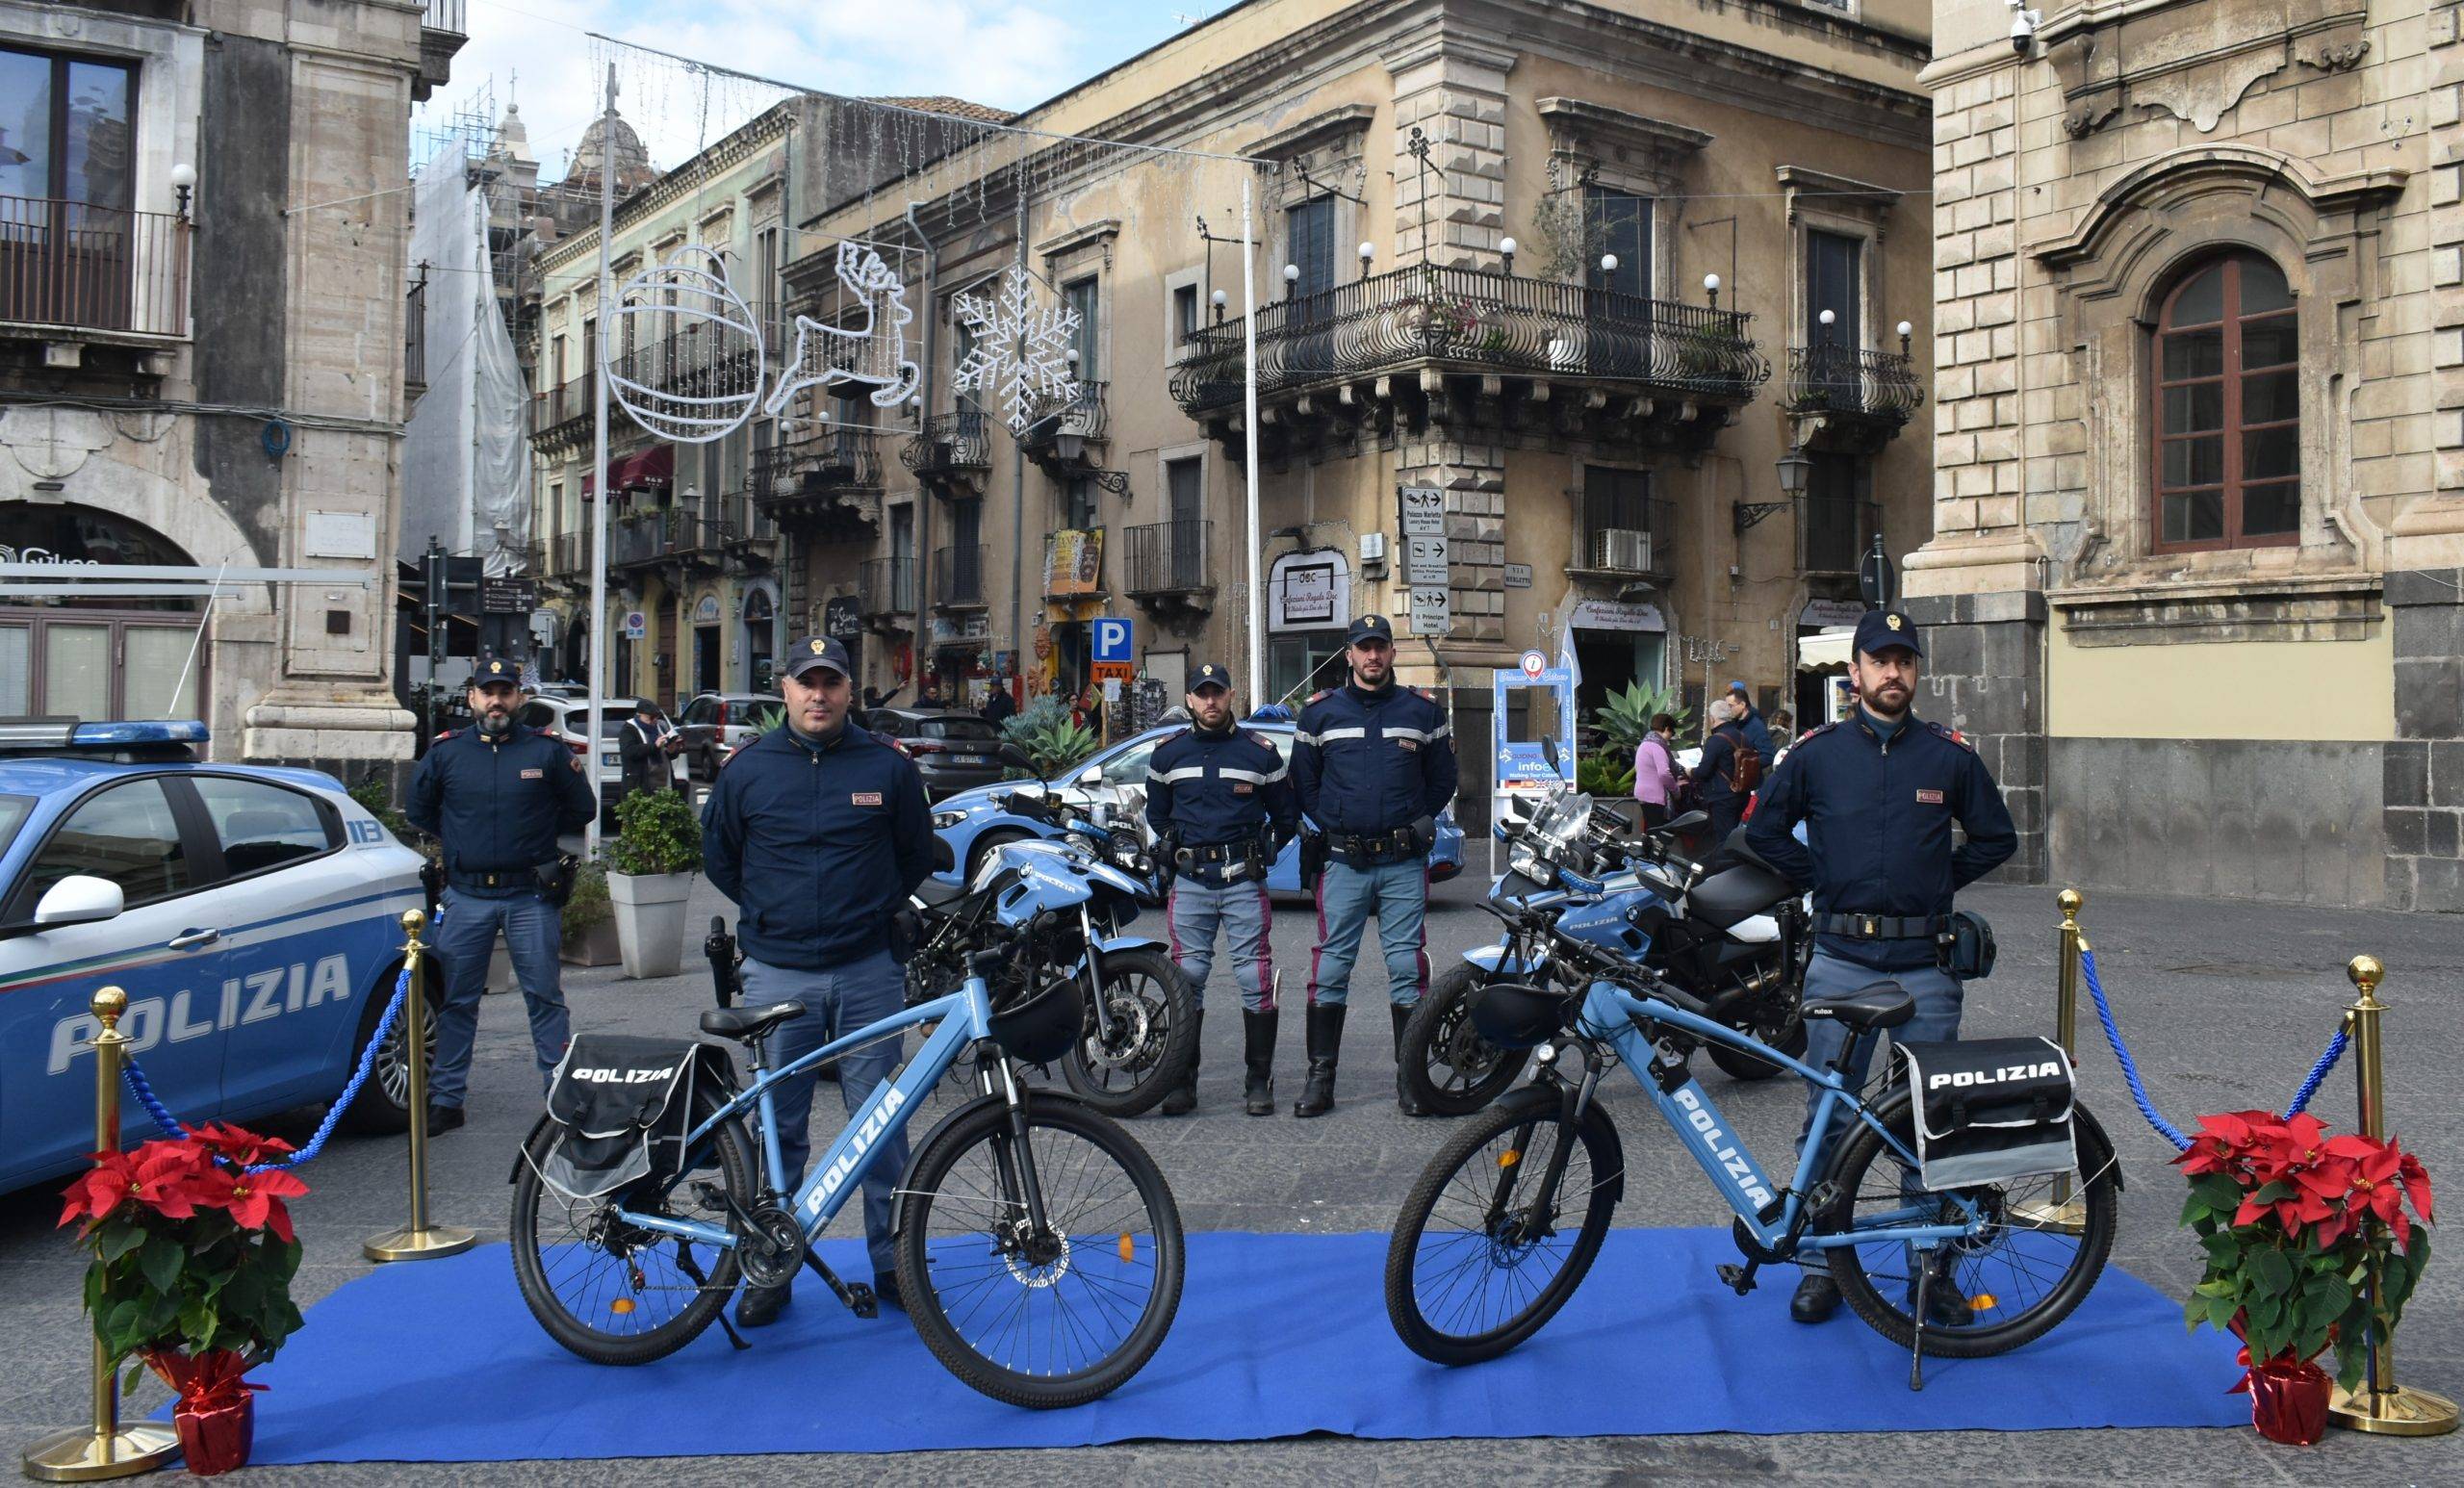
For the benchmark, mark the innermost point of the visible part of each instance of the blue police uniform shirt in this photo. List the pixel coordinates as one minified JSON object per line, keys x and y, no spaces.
{"x":499,"y":802}
{"x":1225,"y":787}
{"x":1879,"y":804}
{"x":1365,"y":761}
{"x":818,"y":845}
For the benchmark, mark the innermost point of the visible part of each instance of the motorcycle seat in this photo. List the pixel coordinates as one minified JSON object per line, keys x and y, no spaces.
{"x":1881,"y":1004}
{"x":749,"y":1023}
{"x":932,"y":893}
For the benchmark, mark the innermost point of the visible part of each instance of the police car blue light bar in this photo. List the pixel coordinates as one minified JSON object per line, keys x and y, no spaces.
{"x":70,"y":733}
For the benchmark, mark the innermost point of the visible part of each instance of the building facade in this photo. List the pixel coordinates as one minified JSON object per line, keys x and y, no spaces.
{"x":2199,"y":329}
{"x":1585,"y":274}
{"x":202,"y":357}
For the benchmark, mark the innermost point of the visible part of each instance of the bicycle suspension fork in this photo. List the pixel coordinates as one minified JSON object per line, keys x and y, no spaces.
{"x":1014,"y":1156}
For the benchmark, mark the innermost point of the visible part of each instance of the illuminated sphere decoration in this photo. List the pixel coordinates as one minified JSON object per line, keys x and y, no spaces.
{"x":683,"y":351}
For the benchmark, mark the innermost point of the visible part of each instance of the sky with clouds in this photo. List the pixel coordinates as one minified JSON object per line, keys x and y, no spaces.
{"x":1007,"y":52}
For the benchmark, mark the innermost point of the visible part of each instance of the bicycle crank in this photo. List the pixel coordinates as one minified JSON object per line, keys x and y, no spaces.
{"x":772,"y":1248}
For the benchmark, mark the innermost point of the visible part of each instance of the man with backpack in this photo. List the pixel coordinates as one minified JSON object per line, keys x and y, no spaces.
{"x":1730,"y":770}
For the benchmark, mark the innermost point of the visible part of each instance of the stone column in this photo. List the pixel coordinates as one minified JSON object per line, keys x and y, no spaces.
{"x":1453,"y":90}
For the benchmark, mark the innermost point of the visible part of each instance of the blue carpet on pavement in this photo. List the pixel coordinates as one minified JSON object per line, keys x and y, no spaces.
{"x":1277,"y":1335}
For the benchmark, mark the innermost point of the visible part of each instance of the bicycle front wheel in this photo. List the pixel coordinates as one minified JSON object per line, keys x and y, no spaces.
{"x":1043,"y":1316}
{"x":1488,"y":1248}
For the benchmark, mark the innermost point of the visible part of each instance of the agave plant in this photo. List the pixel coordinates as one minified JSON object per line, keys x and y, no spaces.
{"x":1627,"y":715}
{"x":1604,"y":775}
{"x":1046,"y":734}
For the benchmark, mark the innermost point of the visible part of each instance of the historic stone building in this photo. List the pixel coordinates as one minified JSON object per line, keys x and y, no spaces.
{"x":202,"y":347}
{"x":1588,"y":271}
{"x":2199,"y":425}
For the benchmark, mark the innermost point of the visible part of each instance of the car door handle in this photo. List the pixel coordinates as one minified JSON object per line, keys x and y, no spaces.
{"x":190,"y":939}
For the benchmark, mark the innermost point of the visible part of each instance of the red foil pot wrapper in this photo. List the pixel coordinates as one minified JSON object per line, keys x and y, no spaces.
{"x":217,"y":1412}
{"x":2288,"y":1399}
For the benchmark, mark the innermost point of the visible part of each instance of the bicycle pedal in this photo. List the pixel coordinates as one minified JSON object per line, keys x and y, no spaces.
{"x":1737,"y":1278}
{"x":860,"y":1300}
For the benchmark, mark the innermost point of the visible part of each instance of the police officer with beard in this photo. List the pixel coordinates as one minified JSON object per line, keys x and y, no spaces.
{"x":1373,"y":763}
{"x":1879,"y":792}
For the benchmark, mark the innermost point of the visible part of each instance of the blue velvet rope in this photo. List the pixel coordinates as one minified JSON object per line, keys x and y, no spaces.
{"x":171,"y":1127}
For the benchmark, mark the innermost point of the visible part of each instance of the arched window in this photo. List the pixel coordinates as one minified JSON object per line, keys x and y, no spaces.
{"x":2229,"y":417}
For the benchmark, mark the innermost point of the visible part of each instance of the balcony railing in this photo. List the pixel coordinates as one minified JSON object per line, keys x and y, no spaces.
{"x":1834,"y":532}
{"x":556,"y":411}
{"x":957,"y":575}
{"x":1170,"y":558}
{"x":67,"y":264}
{"x":1473,"y":320}
{"x":837,"y":459}
{"x":566,"y":557}
{"x":744,"y":521}
{"x":888,"y":586}
{"x":446,"y":15}
{"x":1634,"y":542}
{"x":665,"y":534}
{"x":1837,"y":379}
{"x":949,"y":444}
{"x":1064,"y":427}
{"x":703,"y":360}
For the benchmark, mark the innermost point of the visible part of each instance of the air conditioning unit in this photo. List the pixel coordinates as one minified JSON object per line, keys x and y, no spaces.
{"x":1620,"y":550}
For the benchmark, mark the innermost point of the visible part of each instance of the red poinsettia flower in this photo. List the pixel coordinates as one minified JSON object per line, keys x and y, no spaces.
{"x":254,"y":1200}
{"x":2218,"y":1146}
{"x":2373,"y":1184}
{"x":2415,"y":1179}
{"x":161,"y":1176}
{"x":239,"y":1145}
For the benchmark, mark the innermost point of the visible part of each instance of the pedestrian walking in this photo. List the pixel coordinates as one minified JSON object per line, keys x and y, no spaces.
{"x":1726,"y":777}
{"x":498,"y":795}
{"x":1220,"y":799}
{"x":639,"y":751}
{"x":1879,"y":793}
{"x":1000,"y":707}
{"x":1372,"y":764}
{"x":1656,"y":783}
{"x":819,"y":832}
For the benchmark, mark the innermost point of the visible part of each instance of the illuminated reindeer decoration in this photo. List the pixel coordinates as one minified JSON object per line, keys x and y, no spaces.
{"x":873,"y":352}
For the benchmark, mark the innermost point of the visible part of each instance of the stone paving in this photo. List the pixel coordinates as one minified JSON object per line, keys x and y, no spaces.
{"x":2225,"y":1004}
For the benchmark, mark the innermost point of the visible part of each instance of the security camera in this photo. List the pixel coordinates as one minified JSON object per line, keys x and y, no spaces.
{"x":2023,"y":29}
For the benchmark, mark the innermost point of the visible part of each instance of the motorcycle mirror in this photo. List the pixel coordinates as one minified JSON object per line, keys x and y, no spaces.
{"x":1549,"y":747}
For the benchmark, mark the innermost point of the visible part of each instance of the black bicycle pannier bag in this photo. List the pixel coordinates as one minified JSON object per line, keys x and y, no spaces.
{"x":1990,"y":1111}
{"x":621,"y":1106}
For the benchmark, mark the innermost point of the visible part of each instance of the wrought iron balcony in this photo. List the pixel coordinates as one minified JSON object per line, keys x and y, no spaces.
{"x":1169,"y":564}
{"x":442,"y":32}
{"x":565,"y":558}
{"x":681,"y":535}
{"x":1854,"y":399}
{"x":561,"y":414}
{"x":1060,"y":430}
{"x":1834,"y":532}
{"x":957,"y":577}
{"x":1638,"y":544}
{"x":950,"y":446}
{"x":67,"y":267}
{"x":747,"y":526}
{"x":828,"y":484}
{"x":1429,"y":345}
{"x":888,"y":588}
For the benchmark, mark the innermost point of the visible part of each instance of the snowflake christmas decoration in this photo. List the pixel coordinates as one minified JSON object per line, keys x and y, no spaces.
{"x":1022,"y":351}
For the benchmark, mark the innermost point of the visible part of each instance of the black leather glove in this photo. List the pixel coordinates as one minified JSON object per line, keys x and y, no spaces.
{"x":1313,"y":857}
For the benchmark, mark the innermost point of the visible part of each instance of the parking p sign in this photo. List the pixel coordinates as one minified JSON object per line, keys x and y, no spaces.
{"x":1111,"y":640}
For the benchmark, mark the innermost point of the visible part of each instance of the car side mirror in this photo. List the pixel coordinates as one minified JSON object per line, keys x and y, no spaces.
{"x":79,"y":899}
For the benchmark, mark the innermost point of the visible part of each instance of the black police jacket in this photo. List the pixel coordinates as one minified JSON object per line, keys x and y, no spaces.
{"x":1372,"y":761}
{"x":499,"y":802}
{"x":1878,"y":826}
{"x":1207,"y":788}
{"x":818,"y":845}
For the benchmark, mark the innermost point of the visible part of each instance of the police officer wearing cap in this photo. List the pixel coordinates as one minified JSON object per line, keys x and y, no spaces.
{"x":1220,"y":799}
{"x":819,"y":832}
{"x":1372,"y":764}
{"x":1879,"y":792}
{"x":498,"y":795}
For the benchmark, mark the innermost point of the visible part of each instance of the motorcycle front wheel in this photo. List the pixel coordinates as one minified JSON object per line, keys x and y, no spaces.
{"x":1444,"y":1062}
{"x":1147,"y":1042}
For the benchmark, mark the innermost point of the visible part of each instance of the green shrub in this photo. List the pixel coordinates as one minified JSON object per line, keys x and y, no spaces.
{"x":655,"y":833}
{"x":1604,"y":775}
{"x":1050,"y":741}
{"x":589,"y":905}
{"x":1627,"y":715}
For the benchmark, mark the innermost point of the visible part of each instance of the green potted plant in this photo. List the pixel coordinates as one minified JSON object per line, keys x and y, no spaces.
{"x":651,"y":867}
{"x":191,"y":1261}
{"x":590,"y":920}
{"x":1044,"y":733}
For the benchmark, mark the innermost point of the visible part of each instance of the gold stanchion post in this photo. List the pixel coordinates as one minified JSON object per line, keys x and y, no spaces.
{"x":418,"y":1240}
{"x":2063,"y":1213}
{"x":2380,"y":1406}
{"x":106,"y":1449}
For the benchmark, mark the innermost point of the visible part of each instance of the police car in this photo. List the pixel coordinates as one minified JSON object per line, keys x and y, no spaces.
{"x":252,"y":915}
{"x":973,"y":822}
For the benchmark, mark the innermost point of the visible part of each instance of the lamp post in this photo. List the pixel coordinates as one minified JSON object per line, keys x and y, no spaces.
{"x":1905,"y":331}
{"x":1711,"y":289}
{"x":184,"y":182}
{"x":1368,"y":252}
{"x":1290,"y":280}
{"x":1219,"y":300}
{"x":1793,"y":468}
{"x":1507,"y":247}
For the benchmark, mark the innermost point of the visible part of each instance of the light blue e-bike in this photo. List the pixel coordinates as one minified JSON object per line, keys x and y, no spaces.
{"x":1039,"y":1252}
{"x":1505,"y":1220}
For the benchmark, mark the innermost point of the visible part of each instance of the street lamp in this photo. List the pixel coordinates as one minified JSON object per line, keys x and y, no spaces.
{"x":1711,"y":288}
{"x":1826,"y":317}
{"x":1290,"y":280}
{"x":184,"y":182}
{"x":1220,"y":299}
{"x":1793,"y":469}
{"x":1368,"y":252}
{"x":1608,"y":263}
{"x":1904,"y":330}
{"x":1507,"y":248}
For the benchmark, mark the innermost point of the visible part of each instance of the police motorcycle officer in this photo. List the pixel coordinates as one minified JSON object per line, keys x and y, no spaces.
{"x":1219,"y":800}
{"x":1372,"y":764}
{"x":819,"y":831}
{"x":498,"y":795}
{"x":1878,"y":793}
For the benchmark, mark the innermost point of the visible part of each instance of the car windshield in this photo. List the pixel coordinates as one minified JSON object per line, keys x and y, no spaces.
{"x":957,"y":727}
{"x":13,"y":811}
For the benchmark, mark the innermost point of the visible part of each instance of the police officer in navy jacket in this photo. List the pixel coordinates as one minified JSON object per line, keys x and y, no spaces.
{"x":1879,"y":792}
{"x":819,"y":832}
{"x":1374,"y":764}
{"x":1219,"y":800}
{"x":496,"y":796}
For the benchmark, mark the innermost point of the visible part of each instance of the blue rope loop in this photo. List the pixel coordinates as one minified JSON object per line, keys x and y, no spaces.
{"x":170,"y":1126}
{"x":2318,"y":1075}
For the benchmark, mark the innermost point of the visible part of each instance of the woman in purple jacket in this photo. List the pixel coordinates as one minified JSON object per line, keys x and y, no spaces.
{"x":1656,"y":772}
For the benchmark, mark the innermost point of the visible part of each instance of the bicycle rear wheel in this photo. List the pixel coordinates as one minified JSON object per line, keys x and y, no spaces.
{"x":1480,"y":1259}
{"x":2020,"y":1275}
{"x":1043,"y":1318}
{"x":613,"y":1294}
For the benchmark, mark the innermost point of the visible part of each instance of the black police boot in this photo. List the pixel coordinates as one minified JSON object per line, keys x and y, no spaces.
{"x":1402,"y":1093}
{"x":1182,"y":1099}
{"x":1817,"y":1298}
{"x":1325,"y":1042}
{"x":444,"y":1118}
{"x":759,"y":1307}
{"x":1257,"y":1055}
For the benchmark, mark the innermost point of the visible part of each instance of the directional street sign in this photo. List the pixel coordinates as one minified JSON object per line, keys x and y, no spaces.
{"x":1424,"y":562}
{"x":1424,"y":512}
{"x":1432,"y":612}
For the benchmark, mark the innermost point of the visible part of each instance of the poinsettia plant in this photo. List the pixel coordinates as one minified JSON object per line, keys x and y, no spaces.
{"x":2295,"y":1223}
{"x":192,"y":1253}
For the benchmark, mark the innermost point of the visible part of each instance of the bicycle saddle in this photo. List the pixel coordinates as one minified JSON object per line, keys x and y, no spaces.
{"x":749,"y":1023}
{"x":1881,"y":1004}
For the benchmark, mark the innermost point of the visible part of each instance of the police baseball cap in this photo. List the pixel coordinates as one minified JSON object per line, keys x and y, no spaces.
{"x":1369,"y":627}
{"x":1883,"y":628}
{"x":1211,"y":675}
{"x":816,"y":651}
{"x":495,"y":672}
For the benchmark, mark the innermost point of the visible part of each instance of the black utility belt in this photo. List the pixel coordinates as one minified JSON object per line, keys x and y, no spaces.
{"x":539,"y":876}
{"x":1883,"y":927}
{"x":1235,"y":860}
{"x":1401,"y":842}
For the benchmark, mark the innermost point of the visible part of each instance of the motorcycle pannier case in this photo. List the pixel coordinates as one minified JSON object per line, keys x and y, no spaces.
{"x":620,"y":1107}
{"x":1990,"y":1111}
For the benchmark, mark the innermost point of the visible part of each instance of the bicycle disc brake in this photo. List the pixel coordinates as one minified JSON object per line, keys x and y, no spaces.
{"x":774,"y":1248}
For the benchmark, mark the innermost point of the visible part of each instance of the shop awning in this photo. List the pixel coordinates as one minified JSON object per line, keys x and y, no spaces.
{"x":651,"y":467}
{"x":1820,"y":653}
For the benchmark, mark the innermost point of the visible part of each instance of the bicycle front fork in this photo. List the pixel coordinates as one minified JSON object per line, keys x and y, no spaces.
{"x":1020,"y":1191}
